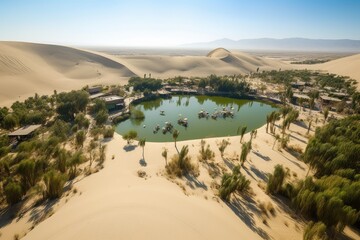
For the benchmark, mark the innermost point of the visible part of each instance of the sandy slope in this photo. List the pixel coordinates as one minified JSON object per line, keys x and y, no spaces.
{"x":116,"y":204}
{"x":347,"y":66}
{"x":26,"y":68}
{"x":219,"y":61}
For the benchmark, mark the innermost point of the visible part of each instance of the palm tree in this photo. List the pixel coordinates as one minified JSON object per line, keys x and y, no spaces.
{"x":277,"y":137}
{"x":241,"y":131}
{"x":245,"y":150}
{"x":175,"y":136}
{"x":164,"y":154}
{"x":142,"y":144}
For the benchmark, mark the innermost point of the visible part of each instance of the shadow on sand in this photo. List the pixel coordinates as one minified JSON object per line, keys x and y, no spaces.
{"x":193,"y":182}
{"x":129,"y":147}
{"x":142,"y":162}
{"x":245,"y":208}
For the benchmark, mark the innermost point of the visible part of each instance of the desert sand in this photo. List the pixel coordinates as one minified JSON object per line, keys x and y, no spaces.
{"x":116,"y":203}
{"x":29,"y":68}
{"x":347,"y":66}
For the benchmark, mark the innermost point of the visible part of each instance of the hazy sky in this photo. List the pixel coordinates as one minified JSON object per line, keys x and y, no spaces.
{"x":169,"y":23}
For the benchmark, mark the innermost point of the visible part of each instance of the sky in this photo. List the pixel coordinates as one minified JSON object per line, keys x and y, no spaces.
{"x":165,"y":23}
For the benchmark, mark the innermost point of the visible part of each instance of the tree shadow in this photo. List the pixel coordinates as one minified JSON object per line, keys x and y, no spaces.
{"x":229,"y":163}
{"x":42,"y":211}
{"x":245,"y":208}
{"x":300,"y":140}
{"x":260,"y":174}
{"x":142,"y":162}
{"x":193,"y":182}
{"x":300,"y":124}
{"x":8,"y":214}
{"x":129,"y":148}
{"x":266,"y":158}
{"x":248,"y":172}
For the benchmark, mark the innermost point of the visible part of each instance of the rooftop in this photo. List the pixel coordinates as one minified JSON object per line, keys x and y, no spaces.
{"x":97,"y":95}
{"x":327,"y":98}
{"x":111,"y":98}
{"x":303,"y":96}
{"x":24,"y":131}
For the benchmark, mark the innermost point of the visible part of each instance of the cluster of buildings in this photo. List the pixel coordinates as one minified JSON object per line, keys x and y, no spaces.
{"x":112,"y":102}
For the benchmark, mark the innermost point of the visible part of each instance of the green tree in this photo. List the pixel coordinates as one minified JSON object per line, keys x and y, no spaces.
{"x":54,"y":183}
{"x":98,"y":106}
{"x":142,"y":145}
{"x":245,"y":150}
{"x":69,"y":104}
{"x":82,"y":121}
{"x":27,"y":171}
{"x":277,"y":137}
{"x":101,"y":117}
{"x":130,"y":136}
{"x":222,"y":146}
{"x":80,"y":138}
{"x":10,"y":122}
{"x":276,"y":180}
{"x":233,"y":182}
{"x":74,"y":162}
{"x":61,"y":160}
{"x":60,"y":129}
{"x":13,"y":193}
{"x":315,"y":231}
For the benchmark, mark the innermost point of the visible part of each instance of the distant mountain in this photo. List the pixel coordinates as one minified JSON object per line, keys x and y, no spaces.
{"x":286,"y":44}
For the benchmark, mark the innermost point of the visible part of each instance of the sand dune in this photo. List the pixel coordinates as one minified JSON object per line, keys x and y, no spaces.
{"x":347,"y":66}
{"x":116,"y":204}
{"x":26,"y":68}
{"x":219,"y":61}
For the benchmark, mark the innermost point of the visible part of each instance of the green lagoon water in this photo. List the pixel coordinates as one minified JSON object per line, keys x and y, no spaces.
{"x":246,"y":112}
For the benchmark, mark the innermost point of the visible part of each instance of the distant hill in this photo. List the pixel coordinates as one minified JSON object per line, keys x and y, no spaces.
{"x":286,"y":44}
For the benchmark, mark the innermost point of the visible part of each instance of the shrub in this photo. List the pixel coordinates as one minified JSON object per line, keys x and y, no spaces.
{"x":101,"y":117}
{"x":109,"y":132}
{"x":205,"y":153}
{"x":315,"y":231}
{"x":233,"y":182}
{"x":80,"y":138}
{"x":54,"y":183}
{"x":13,"y":193}
{"x":222,"y":146}
{"x":28,"y":173}
{"x":137,"y":114}
{"x":181,"y":165}
{"x":130,"y":136}
{"x":276,"y":180}
{"x":121,"y":118}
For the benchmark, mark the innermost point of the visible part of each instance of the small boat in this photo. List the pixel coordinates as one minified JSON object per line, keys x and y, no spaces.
{"x":162,"y":112}
{"x":183,"y":122}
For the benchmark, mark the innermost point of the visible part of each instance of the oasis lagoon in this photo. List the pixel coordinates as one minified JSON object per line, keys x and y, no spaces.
{"x":161,"y":111}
